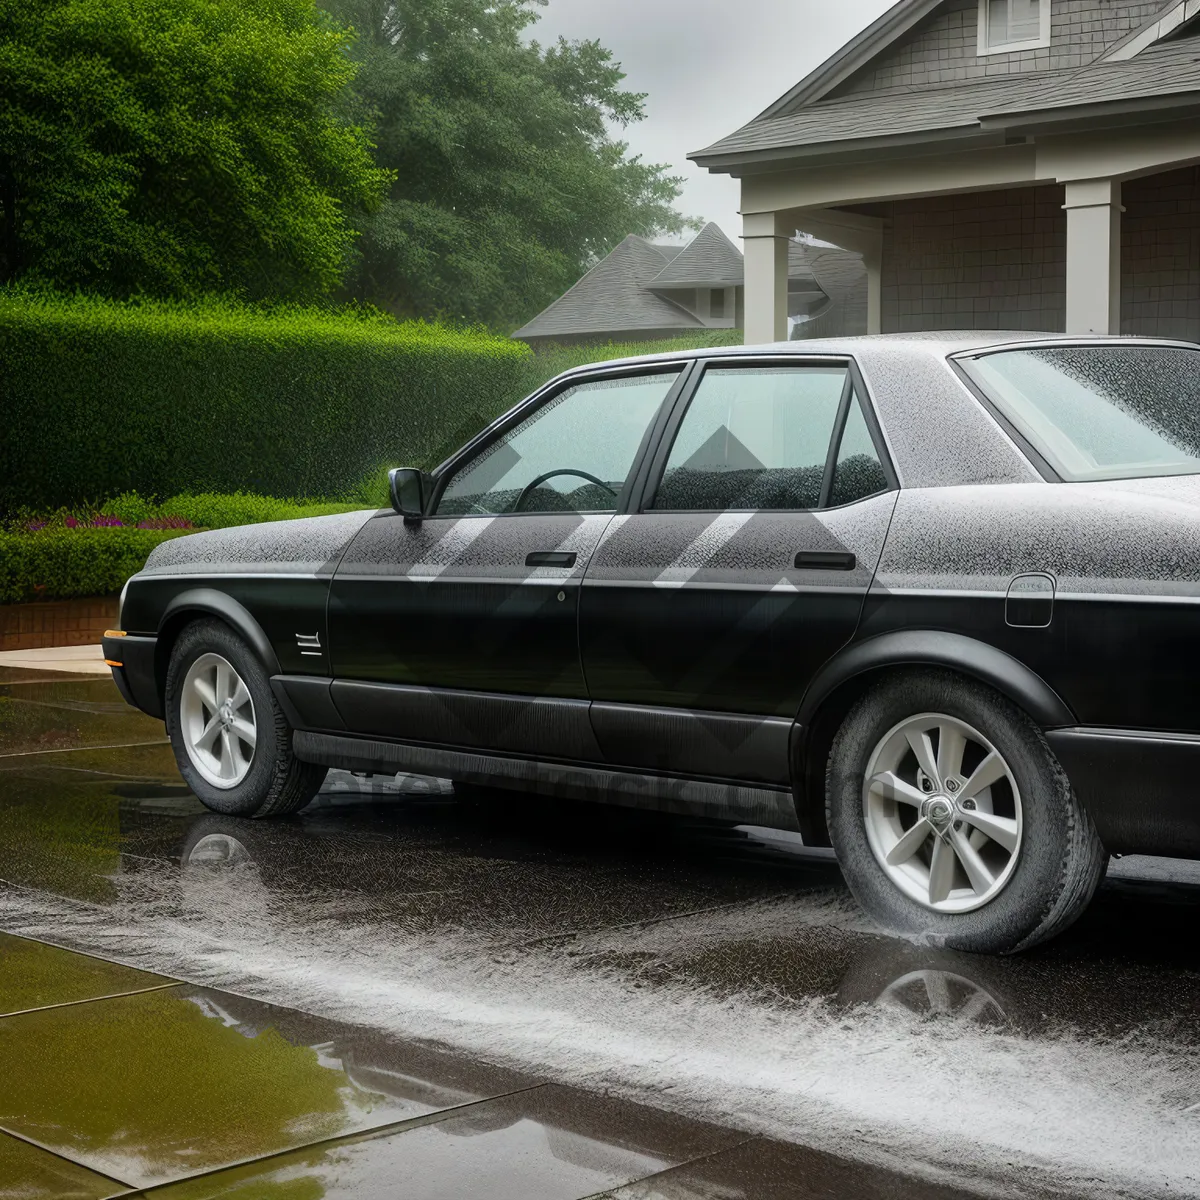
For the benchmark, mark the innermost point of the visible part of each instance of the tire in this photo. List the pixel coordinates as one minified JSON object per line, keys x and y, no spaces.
{"x":994,"y":897}
{"x":266,"y":779}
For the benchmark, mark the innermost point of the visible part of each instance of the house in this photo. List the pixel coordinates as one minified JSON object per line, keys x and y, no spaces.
{"x":643,"y":290}
{"x":1028,"y":164}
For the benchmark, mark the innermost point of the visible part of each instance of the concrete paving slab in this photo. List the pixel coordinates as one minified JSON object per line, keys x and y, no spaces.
{"x":58,"y":712}
{"x":35,"y":975}
{"x":550,"y":1143}
{"x":79,"y":660}
{"x":27,"y":1173}
{"x":769,"y":1170}
{"x":60,"y":826}
{"x":690,"y":967}
{"x":28,"y":675}
{"x":150,"y":1087}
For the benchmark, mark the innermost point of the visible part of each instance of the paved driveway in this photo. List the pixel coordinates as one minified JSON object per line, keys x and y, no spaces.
{"x":398,"y":994}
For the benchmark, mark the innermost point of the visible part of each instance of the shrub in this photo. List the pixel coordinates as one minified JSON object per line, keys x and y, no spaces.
{"x":552,"y":360}
{"x":93,"y":549}
{"x":102,"y":397}
{"x":58,"y":562}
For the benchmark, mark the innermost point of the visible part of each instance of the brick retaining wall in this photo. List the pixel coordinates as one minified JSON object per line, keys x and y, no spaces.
{"x":56,"y":622}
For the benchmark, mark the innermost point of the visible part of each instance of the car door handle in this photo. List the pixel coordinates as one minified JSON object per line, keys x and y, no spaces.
{"x":550,"y":558}
{"x":826,"y":560}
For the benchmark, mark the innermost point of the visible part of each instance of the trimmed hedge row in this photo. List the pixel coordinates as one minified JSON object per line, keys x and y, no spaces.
{"x":207,"y":510}
{"x":93,"y":550}
{"x":103,"y":397}
{"x":58,"y":563}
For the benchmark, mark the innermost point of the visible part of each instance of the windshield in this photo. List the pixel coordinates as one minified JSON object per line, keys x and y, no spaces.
{"x":1100,"y":412}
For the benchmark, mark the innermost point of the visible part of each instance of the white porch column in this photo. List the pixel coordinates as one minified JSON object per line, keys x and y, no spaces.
{"x":873,"y":261}
{"x":1093,"y":255}
{"x":766,"y":250}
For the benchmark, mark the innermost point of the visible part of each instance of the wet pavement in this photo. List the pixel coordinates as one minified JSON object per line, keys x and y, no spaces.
{"x":403,"y":993}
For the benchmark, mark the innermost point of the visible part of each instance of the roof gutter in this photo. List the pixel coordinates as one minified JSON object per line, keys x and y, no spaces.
{"x":1105,"y":113}
{"x":898,"y":145}
{"x":989,"y":130}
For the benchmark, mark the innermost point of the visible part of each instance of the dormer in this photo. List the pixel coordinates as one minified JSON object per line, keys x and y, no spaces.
{"x":1006,"y":26}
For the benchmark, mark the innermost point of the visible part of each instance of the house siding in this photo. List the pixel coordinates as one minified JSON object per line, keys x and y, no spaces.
{"x":943,"y":49}
{"x":1160,"y":255}
{"x":988,"y":260}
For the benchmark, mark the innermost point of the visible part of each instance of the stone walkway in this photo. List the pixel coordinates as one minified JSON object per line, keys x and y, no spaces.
{"x":78,"y":660}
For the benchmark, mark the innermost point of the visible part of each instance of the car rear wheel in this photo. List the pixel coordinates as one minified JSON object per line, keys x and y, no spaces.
{"x":952,"y":818}
{"x":231,"y":740}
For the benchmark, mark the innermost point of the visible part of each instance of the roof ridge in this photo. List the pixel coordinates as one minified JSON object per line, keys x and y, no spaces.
{"x":860,"y":49}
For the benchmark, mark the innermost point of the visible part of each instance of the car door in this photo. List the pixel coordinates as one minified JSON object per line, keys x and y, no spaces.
{"x":462,"y":629}
{"x":743,"y":567}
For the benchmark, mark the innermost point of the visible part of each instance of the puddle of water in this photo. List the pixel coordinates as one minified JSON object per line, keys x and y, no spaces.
{"x":884,"y":1083}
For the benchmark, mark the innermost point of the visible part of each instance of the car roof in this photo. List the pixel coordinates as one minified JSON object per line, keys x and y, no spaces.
{"x":938,"y":343}
{"x":938,"y":433}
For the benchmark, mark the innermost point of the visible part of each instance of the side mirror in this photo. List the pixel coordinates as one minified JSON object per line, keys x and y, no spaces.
{"x":408,"y":492}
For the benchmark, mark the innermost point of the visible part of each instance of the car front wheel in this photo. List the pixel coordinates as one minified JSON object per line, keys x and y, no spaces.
{"x":231,"y":740}
{"x":952,"y":818}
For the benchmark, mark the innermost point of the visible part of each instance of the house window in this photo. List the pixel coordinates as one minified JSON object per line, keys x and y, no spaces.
{"x":1007,"y":25}
{"x":716,"y":302}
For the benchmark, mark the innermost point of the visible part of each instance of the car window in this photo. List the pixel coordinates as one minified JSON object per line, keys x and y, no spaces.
{"x":1100,"y":412}
{"x":754,"y":439}
{"x":858,"y":473}
{"x":572,"y":455}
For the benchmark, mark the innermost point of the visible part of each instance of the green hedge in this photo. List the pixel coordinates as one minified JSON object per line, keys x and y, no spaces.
{"x":102,"y":397}
{"x":57,"y":563}
{"x":206,"y":510}
{"x":62,"y":554}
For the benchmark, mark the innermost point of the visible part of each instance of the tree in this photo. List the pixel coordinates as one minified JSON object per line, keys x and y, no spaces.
{"x":507,"y":185}
{"x":172,"y":147}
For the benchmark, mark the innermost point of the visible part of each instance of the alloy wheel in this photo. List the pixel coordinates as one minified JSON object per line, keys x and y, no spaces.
{"x":217,"y":721}
{"x":943,"y":813}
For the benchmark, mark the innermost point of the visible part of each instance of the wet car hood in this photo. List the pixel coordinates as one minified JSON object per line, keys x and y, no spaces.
{"x":308,"y":545}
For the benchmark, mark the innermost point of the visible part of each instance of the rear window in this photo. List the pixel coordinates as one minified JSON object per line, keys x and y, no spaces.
{"x":1100,"y":412}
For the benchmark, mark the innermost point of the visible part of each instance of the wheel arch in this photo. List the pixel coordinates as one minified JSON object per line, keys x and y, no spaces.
{"x":840,"y":683}
{"x":208,"y":602}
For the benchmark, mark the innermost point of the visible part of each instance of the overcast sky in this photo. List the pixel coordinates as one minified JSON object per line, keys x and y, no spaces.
{"x":708,"y":66}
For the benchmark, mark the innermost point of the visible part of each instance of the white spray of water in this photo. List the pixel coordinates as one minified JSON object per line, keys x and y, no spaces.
{"x":1005,"y":1113}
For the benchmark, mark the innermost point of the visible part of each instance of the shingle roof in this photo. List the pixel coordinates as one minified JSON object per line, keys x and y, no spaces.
{"x":1169,"y":72}
{"x":709,"y":260}
{"x":613,"y":298}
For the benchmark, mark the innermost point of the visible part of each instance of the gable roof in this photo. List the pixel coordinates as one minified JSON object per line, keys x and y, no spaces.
{"x":857,"y":52}
{"x":1159,"y":25}
{"x":629,"y":290}
{"x":710,"y":259}
{"x":1165,"y":76}
{"x":613,"y":297}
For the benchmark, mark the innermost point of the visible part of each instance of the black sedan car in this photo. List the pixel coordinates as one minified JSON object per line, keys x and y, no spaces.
{"x":931,"y":599}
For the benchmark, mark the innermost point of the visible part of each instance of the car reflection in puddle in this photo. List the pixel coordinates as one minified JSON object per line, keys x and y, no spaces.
{"x":716,"y":970}
{"x":1104,"y":980}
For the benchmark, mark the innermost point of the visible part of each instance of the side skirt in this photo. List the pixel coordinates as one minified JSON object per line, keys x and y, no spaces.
{"x":772,"y":808}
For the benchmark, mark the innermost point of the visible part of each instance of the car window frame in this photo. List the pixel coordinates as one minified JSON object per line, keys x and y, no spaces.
{"x":855,"y":389}
{"x":445,"y":471}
